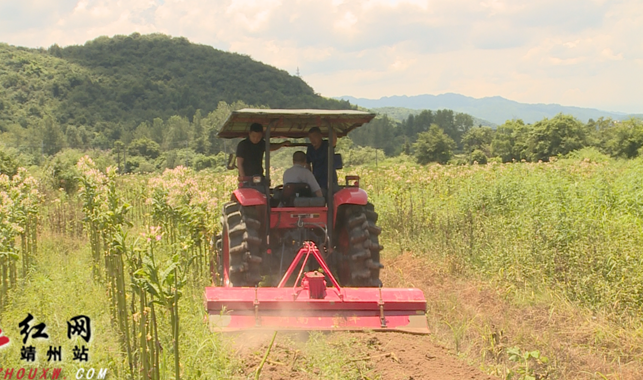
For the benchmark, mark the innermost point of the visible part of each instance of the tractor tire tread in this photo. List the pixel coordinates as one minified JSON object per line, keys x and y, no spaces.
{"x":239,"y":229}
{"x":371,"y":215}
{"x":363,"y":250}
{"x":356,"y":221}
{"x":230,"y":207}
{"x":253,"y":241}
{"x":253,"y":259}
{"x":375,"y":247}
{"x":253,"y":224}
{"x":361,"y":255}
{"x":370,"y":264}
{"x":374,"y":230}
{"x":239,"y":249}
{"x":359,"y":239}
{"x":363,"y":274}
{"x":244,"y":244}
{"x":233,"y":219}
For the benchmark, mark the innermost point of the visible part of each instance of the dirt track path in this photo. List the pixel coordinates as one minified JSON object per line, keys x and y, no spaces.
{"x":387,"y":356}
{"x":407,"y":357}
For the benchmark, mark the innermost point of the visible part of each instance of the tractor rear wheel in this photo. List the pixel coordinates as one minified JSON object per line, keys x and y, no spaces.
{"x":241,"y":244}
{"x":359,"y":244}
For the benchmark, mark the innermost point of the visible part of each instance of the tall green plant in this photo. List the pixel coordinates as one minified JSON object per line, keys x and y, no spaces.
{"x":165,"y":285}
{"x":19,"y":215}
{"x":105,"y":215}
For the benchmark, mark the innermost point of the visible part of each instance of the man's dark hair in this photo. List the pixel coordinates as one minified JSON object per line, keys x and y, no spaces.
{"x":256,"y":127}
{"x":299,"y":157}
{"x":314,"y":130}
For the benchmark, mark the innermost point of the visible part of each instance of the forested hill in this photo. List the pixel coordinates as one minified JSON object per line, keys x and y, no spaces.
{"x":136,"y":78}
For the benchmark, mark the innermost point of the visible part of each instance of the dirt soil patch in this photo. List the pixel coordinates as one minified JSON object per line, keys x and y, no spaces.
{"x":405,"y":357}
{"x":390,"y":356}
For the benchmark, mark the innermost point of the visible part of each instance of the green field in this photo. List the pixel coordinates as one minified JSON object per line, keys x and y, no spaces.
{"x":132,"y":252}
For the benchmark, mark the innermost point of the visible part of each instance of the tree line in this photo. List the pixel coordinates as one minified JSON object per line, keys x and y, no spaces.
{"x":442,"y":136}
{"x":396,"y":137}
{"x":516,"y":141}
{"x":445,"y":136}
{"x":151,"y":146}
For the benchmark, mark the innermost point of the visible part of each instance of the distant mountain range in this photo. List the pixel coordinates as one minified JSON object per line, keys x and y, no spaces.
{"x":495,"y":109}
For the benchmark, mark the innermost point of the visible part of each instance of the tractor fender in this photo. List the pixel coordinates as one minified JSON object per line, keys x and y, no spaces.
{"x":349,"y":195}
{"x":249,"y":197}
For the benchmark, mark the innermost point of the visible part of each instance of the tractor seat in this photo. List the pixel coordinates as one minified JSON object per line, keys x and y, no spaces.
{"x":294,"y":191}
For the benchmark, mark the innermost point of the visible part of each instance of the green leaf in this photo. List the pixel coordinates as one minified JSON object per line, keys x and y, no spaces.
{"x":514,"y":351}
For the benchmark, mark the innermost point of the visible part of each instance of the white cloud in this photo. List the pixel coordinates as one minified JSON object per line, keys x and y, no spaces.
{"x":609,"y":54}
{"x":346,"y":23}
{"x":574,"y":52}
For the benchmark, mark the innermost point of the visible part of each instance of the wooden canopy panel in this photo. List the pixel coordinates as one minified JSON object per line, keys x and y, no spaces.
{"x":294,"y":123}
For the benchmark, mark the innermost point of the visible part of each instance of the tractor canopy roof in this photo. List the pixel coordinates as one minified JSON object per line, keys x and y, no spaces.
{"x":293,"y":123}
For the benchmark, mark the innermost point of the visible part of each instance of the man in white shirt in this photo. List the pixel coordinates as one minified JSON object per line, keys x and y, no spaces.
{"x":298,"y":173}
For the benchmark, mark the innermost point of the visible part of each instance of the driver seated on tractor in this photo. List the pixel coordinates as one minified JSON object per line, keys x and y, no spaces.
{"x":298,"y":173}
{"x":317,"y":157}
{"x":250,"y":152}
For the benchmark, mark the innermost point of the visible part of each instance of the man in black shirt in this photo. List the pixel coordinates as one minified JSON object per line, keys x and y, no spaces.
{"x":250,"y":152}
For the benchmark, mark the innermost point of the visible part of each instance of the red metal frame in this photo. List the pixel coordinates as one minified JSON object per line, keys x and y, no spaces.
{"x":280,"y":308}
{"x":308,"y":249}
{"x":287,"y":217}
{"x":253,"y":197}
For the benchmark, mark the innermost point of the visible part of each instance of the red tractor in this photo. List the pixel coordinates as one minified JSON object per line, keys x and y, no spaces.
{"x":268,"y":231}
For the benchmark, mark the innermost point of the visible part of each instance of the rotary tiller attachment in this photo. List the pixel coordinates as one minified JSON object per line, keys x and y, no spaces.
{"x":312,"y":306}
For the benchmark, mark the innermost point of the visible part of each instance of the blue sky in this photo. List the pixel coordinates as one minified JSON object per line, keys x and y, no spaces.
{"x":572,"y":52}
